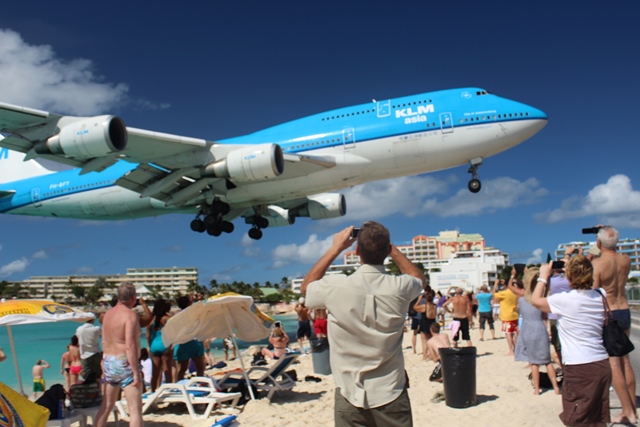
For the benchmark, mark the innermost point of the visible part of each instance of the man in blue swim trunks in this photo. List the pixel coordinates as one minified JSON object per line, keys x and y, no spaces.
{"x":121,"y":347}
{"x":610,"y":272}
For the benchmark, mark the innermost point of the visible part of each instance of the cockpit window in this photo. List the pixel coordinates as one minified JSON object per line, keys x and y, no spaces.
{"x":482,"y":92}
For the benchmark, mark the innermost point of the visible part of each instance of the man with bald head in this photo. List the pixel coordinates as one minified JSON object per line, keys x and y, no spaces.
{"x":610,"y":272}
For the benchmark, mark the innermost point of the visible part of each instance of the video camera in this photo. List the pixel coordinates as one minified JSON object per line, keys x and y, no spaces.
{"x":591,"y":230}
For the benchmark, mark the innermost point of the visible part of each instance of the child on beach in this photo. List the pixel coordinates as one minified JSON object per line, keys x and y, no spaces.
{"x":38,"y":378}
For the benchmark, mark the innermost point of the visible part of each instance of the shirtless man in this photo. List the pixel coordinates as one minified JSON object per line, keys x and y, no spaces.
{"x":38,"y":378}
{"x":304,"y":326}
{"x":461,"y":312}
{"x":437,"y":341}
{"x":121,"y":347}
{"x":610,"y":272}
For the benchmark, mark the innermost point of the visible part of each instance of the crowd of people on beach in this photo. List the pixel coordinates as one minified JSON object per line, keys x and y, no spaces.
{"x":559,"y":305}
{"x":551,"y":317}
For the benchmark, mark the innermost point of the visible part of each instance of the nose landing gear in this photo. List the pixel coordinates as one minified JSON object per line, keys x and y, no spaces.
{"x":474,"y":184}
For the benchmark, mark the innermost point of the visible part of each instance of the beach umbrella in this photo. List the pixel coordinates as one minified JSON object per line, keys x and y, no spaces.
{"x":220,"y":316}
{"x":28,"y":311}
{"x":17,"y":410}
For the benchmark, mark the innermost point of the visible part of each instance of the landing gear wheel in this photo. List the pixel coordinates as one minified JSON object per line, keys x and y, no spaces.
{"x":218,"y":206}
{"x":262,"y":222}
{"x":227,"y":226}
{"x":210,"y":220}
{"x":474,"y":185}
{"x":214,"y":231}
{"x":198,"y":226}
{"x":255,"y":234}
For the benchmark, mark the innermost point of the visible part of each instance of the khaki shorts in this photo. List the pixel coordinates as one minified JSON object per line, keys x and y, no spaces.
{"x":394,"y":414}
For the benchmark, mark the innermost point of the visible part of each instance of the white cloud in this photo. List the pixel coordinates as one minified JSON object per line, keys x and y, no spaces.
{"x":496,"y":194}
{"x":17,"y":266}
{"x":33,"y":76}
{"x":306,"y":253}
{"x":40,"y":255}
{"x":420,"y":195}
{"x":400,"y":195}
{"x":614,"y":202}
{"x":536,"y":257}
{"x":83,"y":270}
{"x":249,"y":248}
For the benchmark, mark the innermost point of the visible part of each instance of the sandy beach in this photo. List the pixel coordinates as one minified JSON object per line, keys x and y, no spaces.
{"x":504,"y":393}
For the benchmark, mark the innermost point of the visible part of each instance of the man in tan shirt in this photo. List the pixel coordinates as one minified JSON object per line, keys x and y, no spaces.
{"x":121,"y":349}
{"x":610,"y":272}
{"x":366,"y":312}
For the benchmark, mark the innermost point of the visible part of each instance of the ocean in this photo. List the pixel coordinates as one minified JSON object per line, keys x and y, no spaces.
{"x":49,"y":340}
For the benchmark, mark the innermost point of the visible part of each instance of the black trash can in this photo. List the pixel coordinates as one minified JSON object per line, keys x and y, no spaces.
{"x":459,"y":376}
{"x":320,"y":356}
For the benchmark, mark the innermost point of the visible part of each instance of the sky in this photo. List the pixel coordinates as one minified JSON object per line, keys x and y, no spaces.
{"x":215,"y":70}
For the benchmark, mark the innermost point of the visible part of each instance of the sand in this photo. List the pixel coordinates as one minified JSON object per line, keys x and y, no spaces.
{"x":504,"y":394}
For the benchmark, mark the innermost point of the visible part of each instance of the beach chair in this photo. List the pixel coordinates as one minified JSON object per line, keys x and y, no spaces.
{"x":273,"y":378}
{"x":195,"y":391}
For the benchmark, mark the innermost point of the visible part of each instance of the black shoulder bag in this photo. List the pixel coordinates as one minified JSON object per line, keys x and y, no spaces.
{"x":616,"y":341}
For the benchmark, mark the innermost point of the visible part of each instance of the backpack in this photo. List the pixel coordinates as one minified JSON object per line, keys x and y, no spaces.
{"x":85,"y":394}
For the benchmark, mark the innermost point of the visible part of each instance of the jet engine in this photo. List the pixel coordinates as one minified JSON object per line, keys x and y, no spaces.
{"x":248,"y":164}
{"x":87,"y":138}
{"x":322,"y":206}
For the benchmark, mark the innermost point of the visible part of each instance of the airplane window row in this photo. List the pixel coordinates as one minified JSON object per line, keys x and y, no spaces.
{"x":313,"y":144}
{"x":482,"y":92}
{"x":373,"y":111}
{"x":80,"y":187}
{"x":348,"y":115}
{"x":410,"y":104}
{"x":499,"y":116}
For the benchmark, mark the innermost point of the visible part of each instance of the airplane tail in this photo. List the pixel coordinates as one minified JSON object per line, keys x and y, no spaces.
{"x":14,"y":168}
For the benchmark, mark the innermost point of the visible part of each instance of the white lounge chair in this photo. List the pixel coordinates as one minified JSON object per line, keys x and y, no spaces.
{"x":197,"y":390}
{"x":272,"y":378}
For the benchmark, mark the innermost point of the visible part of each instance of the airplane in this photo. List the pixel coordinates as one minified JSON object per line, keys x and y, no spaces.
{"x":108,"y":171}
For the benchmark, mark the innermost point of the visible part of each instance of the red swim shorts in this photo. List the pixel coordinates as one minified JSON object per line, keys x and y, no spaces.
{"x":510,"y":326}
{"x":320,"y":326}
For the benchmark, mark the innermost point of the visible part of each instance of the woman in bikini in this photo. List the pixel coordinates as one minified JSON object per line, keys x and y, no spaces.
{"x":65,"y":362}
{"x":161,"y":356}
{"x":279,"y":340}
{"x":75,"y":366}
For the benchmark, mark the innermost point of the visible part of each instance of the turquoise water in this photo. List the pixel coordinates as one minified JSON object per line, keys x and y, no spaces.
{"x":49,"y":340}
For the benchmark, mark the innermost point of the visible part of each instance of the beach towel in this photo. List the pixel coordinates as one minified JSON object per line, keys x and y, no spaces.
{"x":455,"y":327}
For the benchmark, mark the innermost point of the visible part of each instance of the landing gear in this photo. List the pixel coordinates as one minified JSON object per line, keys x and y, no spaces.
{"x":255,"y":233}
{"x":198,"y":226}
{"x":474,"y":184}
{"x":258,"y":223}
{"x":212,"y":220}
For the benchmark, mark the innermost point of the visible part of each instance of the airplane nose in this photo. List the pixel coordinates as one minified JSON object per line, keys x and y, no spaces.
{"x":537,"y":114}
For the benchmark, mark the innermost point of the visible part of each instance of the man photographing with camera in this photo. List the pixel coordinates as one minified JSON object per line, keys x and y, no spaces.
{"x":365,"y":327}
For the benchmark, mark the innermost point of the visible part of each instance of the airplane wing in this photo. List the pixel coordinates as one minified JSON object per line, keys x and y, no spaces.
{"x":172,"y":168}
